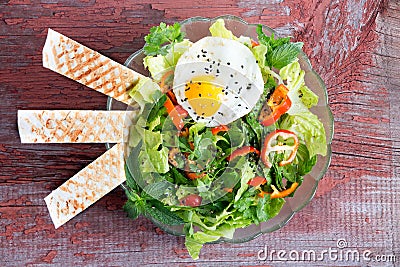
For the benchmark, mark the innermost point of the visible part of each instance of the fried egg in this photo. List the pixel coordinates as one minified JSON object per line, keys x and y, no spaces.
{"x":217,"y":81}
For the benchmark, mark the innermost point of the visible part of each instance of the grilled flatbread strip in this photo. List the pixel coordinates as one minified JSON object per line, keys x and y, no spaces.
{"x":87,"y":186}
{"x":80,"y":63}
{"x":74,"y":126}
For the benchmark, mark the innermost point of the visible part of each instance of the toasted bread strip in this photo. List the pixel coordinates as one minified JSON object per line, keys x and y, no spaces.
{"x":74,"y":126}
{"x":80,"y":63}
{"x":87,"y":186}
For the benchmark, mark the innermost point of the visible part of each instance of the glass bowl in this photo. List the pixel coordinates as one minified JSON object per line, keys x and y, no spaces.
{"x":197,"y":28}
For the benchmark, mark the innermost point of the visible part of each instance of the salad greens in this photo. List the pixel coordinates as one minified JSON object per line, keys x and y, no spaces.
{"x":214,"y":181}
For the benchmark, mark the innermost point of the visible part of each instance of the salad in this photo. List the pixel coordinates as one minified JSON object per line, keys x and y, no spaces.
{"x":225,"y":132}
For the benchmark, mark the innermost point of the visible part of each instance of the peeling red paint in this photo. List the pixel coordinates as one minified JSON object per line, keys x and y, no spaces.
{"x":86,"y":256}
{"x":159,"y":231}
{"x":181,"y":253}
{"x":50,"y":256}
{"x":23,"y":200}
{"x":366,"y":120}
{"x":41,"y":225}
{"x":80,"y":225}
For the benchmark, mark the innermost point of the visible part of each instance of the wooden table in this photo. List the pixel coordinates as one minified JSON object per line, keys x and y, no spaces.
{"x":354,"y":45}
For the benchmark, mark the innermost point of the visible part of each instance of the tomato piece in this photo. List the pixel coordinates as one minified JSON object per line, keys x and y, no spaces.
{"x":228,"y":189}
{"x":177,"y":113}
{"x":192,"y":200}
{"x":280,"y":194}
{"x":272,"y":144}
{"x":277,"y":105}
{"x":218,"y":129}
{"x":257,"y":181}
{"x":242,"y":152}
{"x":195,"y":175}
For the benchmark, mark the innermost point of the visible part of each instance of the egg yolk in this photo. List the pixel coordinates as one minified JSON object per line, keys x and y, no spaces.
{"x":203,"y":96}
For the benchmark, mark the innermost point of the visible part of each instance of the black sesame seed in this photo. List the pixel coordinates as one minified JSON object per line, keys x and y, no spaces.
{"x":198,"y":56}
{"x":236,"y":82}
{"x":217,"y":70}
{"x":257,"y":61}
{"x":199,"y":95}
{"x":204,"y":55}
{"x":203,"y":113}
{"x":239,"y":105}
{"x":226,"y":93}
{"x":187,"y":89}
{"x":218,"y":64}
{"x":228,"y":63}
{"x":242,"y":66}
{"x":189,"y":107}
{"x":199,"y":83}
{"x":192,"y":71}
{"x":231,"y":75}
{"x":208,"y":59}
{"x":236,"y":97}
{"x":213,"y":61}
{"x":220,"y":113}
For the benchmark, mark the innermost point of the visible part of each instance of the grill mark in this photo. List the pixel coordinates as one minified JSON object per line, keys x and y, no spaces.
{"x":80,"y":65}
{"x":98,"y":75}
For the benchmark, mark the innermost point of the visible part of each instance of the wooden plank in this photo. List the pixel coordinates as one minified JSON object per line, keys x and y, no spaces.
{"x":353,"y":44}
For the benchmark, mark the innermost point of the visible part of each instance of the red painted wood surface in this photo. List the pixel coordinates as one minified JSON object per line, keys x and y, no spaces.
{"x":353,"y":44}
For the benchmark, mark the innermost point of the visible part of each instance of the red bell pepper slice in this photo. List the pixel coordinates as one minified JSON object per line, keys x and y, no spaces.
{"x":218,"y":129}
{"x":177,"y":113}
{"x":242,"y":152}
{"x":280,"y":194}
{"x":272,"y":144}
{"x":254,"y":43}
{"x":257,"y":181}
{"x":277,"y":105}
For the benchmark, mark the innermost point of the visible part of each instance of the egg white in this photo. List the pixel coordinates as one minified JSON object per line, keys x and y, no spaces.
{"x":227,"y":64}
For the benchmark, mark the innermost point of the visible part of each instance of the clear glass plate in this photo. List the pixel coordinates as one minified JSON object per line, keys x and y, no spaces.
{"x":197,"y":28}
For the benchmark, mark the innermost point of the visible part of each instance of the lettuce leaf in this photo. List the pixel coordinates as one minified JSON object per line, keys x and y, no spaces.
{"x":218,"y":29}
{"x":308,"y":97}
{"x":309,"y":129}
{"x":301,"y":96}
{"x":144,"y":91}
{"x":153,"y":158}
{"x":195,"y":242}
{"x":158,"y":65}
{"x":299,"y":119}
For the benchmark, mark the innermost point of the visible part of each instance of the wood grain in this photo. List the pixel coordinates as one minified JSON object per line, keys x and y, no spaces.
{"x":352,"y":44}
